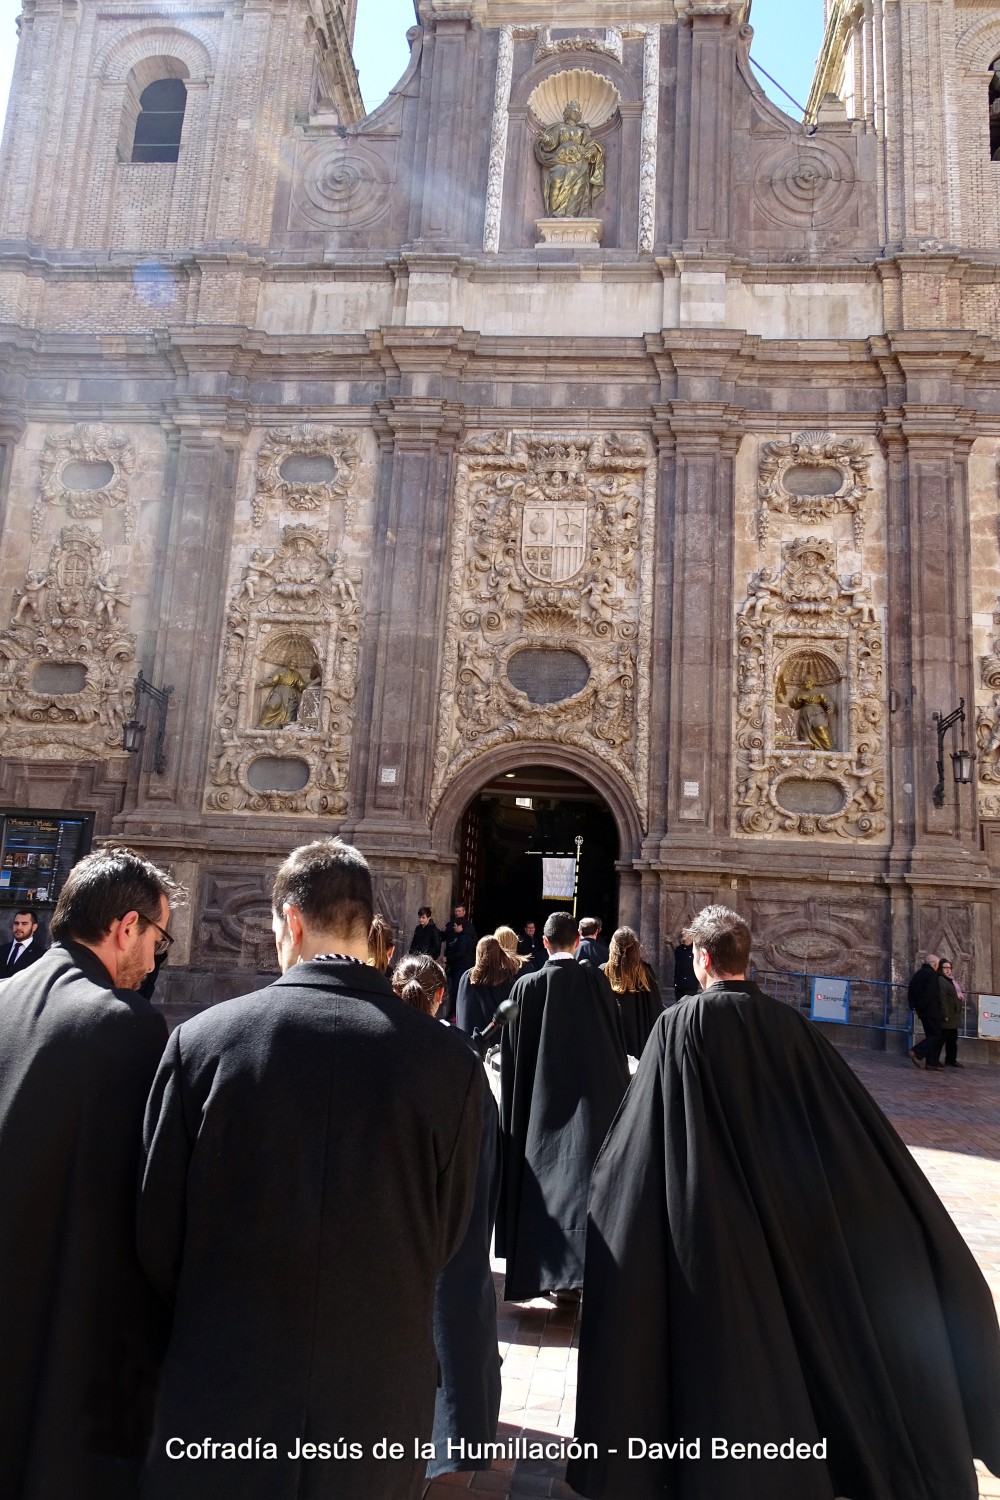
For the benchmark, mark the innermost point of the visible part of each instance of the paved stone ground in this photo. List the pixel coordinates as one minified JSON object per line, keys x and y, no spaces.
{"x":950,"y":1120}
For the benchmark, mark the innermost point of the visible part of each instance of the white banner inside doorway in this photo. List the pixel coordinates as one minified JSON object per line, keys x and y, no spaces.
{"x":558,"y":878}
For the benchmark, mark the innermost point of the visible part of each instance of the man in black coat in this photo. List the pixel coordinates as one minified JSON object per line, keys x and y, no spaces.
{"x":27,"y":944}
{"x":531,"y":947}
{"x":81,"y":1332}
{"x":311,"y":1154}
{"x":563,"y":1074}
{"x":460,"y":941}
{"x":685,"y":982}
{"x":592,"y":946}
{"x":766,"y":1264}
{"x":924,"y":994}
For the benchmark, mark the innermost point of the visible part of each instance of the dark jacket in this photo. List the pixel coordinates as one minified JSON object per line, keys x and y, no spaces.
{"x":764,"y":1256}
{"x":81,"y":1332}
{"x":426,"y":940}
{"x":25,"y":958}
{"x":477,"y":1003}
{"x":533,"y":949}
{"x":594,"y":950}
{"x":685,"y":979}
{"x":563,"y":1075}
{"x":951,"y":1006}
{"x":459,"y":948}
{"x":924,"y":993}
{"x":311,"y":1160}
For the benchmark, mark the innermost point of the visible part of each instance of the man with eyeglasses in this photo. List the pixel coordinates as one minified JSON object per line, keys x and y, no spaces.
{"x":81,"y":1333}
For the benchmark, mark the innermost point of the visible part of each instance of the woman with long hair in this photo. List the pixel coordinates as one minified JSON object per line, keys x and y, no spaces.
{"x":635,"y":987}
{"x":467,"y":1405}
{"x":483,"y":987}
{"x":381,"y":944}
{"x":507,"y":938}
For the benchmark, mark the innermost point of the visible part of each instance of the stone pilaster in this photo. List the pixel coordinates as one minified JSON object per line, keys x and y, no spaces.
{"x":418,"y":437}
{"x":706,"y":436}
{"x":193,"y":550}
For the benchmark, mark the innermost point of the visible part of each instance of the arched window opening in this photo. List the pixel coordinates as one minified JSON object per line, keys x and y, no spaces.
{"x":160,"y":120}
{"x":995,"y":110}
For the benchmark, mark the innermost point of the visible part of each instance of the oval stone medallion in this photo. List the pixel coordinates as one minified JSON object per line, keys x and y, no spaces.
{"x":547,"y":676}
{"x":278,"y":773}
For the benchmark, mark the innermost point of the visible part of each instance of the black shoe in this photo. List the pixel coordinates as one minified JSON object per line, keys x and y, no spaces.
{"x":954,"y":1065}
{"x":933,"y":1067}
{"x":914,"y":1059}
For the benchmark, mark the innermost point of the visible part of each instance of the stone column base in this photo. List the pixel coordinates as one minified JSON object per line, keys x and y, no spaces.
{"x":568,"y":232}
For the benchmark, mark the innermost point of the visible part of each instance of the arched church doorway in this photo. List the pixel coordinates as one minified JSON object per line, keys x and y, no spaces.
{"x":516,"y":822}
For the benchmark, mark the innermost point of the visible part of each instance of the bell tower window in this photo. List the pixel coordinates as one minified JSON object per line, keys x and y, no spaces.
{"x":160,"y":121}
{"x":995,"y":110}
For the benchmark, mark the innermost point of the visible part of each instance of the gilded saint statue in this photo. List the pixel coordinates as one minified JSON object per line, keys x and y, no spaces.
{"x":815,"y":709}
{"x":281,"y":704}
{"x":572,"y":166}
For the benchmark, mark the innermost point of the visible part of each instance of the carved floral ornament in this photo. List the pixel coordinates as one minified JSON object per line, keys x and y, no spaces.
{"x":67,"y":658}
{"x":288,"y":681}
{"x":810,"y":714}
{"x":551,"y":559}
{"x":85,"y":471}
{"x":811,"y":478}
{"x":306,"y":469}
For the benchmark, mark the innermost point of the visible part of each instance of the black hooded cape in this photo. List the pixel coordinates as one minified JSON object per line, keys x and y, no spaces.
{"x":563,"y":1074}
{"x":765,"y":1262}
{"x":81,"y":1330}
{"x":465,"y":1321}
{"x":311,"y":1159}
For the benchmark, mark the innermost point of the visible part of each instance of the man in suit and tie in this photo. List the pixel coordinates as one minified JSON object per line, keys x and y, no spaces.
{"x":27,"y":945}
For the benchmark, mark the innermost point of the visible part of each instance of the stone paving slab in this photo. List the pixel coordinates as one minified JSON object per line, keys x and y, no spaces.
{"x":950,"y":1120}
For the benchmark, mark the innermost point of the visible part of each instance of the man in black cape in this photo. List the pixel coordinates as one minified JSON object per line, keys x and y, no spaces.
{"x":311,"y":1156}
{"x":563,"y":1074}
{"x":767,"y":1264}
{"x":460,"y":939}
{"x":81,"y":1331}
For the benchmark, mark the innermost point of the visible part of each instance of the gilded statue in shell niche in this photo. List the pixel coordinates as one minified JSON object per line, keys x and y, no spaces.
{"x":572,"y":164}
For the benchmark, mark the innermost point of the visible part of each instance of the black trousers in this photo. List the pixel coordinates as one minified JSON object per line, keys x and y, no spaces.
{"x":930,"y":1048}
{"x":950,"y":1035}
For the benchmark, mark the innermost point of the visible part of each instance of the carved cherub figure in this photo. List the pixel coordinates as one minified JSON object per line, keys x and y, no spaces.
{"x":30,"y":600}
{"x":763,"y":587}
{"x":110,"y":597}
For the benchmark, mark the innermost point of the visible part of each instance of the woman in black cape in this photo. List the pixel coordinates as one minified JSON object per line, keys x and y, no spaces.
{"x":485,"y":986}
{"x":635,"y":987}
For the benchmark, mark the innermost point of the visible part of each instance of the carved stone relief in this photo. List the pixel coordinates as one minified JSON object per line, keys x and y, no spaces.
{"x":288,"y":681}
{"x":67,"y":657}
{"x":810,"y":937}
{"x":66,"y":459}
{"x":811,"y":478}
{"x":338,"y":184}
{"x":334,"y":456}
{"x":608,"y":45}
{"x":988,"y":728}
{"x":810,"y":712}
{"x":552,"y":551}
{"x":806,"y":184}
{"x":234,"y":928}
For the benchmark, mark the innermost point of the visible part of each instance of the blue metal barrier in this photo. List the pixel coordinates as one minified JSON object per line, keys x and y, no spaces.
{"x":873,"y":1002}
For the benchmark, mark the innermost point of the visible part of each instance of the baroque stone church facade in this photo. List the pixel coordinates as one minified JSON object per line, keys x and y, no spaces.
{"x":405,"y":475}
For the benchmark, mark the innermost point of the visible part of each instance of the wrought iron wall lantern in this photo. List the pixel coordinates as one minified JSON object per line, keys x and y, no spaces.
{"x":134,"y":731}
{"x":961,"y":760}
